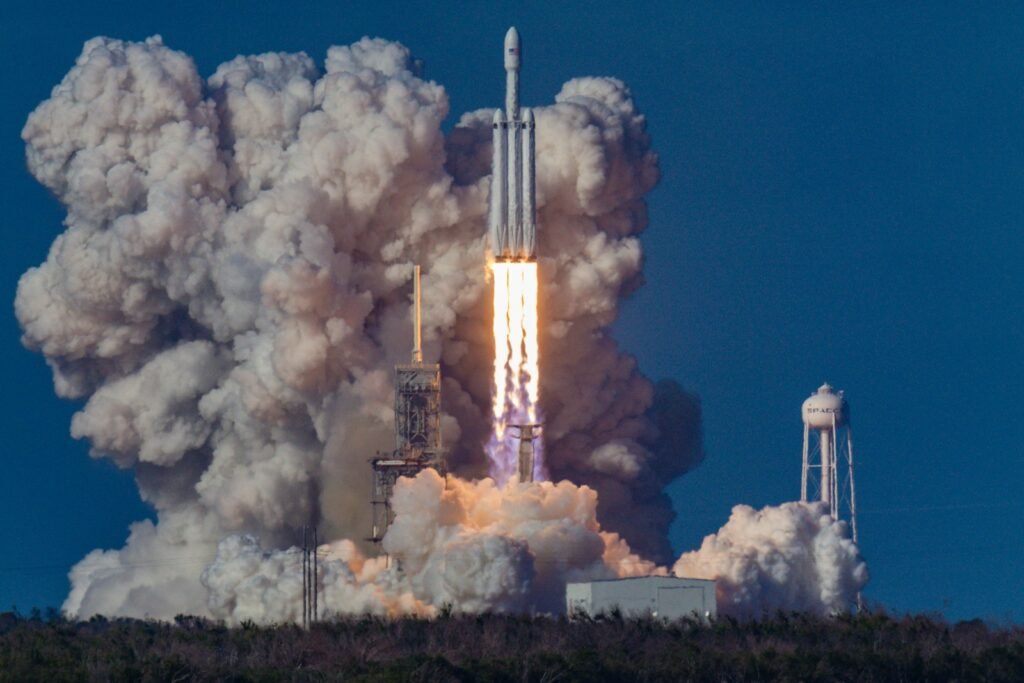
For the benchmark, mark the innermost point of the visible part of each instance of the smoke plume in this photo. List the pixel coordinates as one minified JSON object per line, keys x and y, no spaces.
{"x":790,"y":557}
{"x":231,"y":291}
{"x":471,"y":546}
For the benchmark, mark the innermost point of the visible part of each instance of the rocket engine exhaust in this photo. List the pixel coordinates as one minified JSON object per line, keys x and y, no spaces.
{"x":516,"y":389}
{"x":513,"y":236}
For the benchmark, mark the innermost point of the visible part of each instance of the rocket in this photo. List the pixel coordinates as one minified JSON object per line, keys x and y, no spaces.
{"x":513,"y":223}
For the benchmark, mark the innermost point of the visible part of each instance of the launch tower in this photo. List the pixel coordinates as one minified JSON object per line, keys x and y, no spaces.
{"x":417,"y":426}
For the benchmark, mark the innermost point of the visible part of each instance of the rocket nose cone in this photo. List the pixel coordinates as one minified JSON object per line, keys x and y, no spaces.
{"x":512,"y":38}
{"x":512,"y":49}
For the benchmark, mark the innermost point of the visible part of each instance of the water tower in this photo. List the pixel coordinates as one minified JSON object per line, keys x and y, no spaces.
{"x":828,"y":454}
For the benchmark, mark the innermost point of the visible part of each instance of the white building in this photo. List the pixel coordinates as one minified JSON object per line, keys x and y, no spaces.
{"x":665,"y":597}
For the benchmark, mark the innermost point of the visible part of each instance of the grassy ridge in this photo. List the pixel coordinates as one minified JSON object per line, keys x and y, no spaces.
{"x":787,"y":647}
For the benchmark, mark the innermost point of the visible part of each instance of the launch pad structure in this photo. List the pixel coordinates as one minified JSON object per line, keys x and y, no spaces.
{"x":525,"y":466}
{"x":310,"y":576}
{"x":418,"y":442}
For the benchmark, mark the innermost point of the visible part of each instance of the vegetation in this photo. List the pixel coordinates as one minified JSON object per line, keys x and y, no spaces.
{"x":787,"y":647}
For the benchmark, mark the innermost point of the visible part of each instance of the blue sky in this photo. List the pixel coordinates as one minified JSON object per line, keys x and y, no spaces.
{"x":841,"y":199}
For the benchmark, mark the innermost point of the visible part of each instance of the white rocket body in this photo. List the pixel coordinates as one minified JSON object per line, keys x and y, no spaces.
{"x":513,"y":223}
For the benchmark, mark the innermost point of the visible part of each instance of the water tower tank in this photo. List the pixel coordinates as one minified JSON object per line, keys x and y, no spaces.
{"x":823,"y":406}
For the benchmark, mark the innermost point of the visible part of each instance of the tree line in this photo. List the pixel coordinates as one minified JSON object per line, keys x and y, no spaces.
{"x":868,"y":647}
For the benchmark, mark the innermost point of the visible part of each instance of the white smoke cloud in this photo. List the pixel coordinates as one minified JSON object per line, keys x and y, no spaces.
{"x":231,"y":291}
{"x":470,"y":546}
{"x":153,"y":415}
{"x":245,"y":582}
{"x":790,"y":557}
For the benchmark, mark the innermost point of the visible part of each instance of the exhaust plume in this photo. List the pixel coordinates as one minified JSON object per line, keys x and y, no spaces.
{"x":516,"y":389}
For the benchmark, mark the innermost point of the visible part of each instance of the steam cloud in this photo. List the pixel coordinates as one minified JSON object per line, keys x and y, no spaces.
{"x":231,"y":292}
{"x":469,"y":545}
{"x":790,"y":557}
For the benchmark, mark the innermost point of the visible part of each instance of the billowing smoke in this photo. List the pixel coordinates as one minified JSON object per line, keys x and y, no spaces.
{"x":246,"y":582}
{"x":231,"y":291}
{"x":471,"y":546}
{"x":790,"y":557}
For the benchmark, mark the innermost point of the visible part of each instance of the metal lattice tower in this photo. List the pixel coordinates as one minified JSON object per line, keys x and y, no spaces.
{"x":310,"y":576}
{"x":417,"y":427}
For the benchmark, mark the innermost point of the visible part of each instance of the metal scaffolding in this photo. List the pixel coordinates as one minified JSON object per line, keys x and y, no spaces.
{"x":526,"y":465}
{"x":418,"y":442}
{"x":310,"y":577}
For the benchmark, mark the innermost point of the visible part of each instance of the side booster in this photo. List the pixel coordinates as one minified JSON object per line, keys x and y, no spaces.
{"x":513,"y":223}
